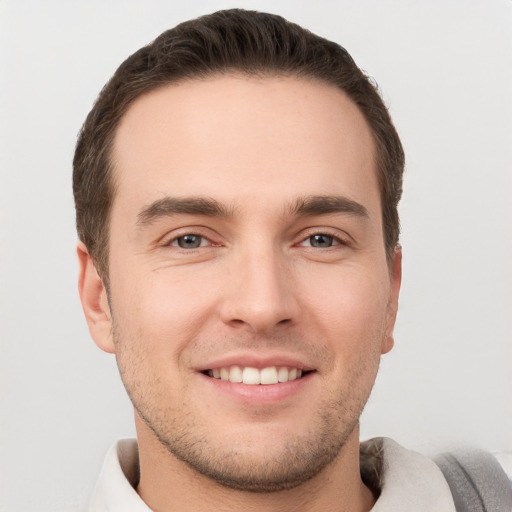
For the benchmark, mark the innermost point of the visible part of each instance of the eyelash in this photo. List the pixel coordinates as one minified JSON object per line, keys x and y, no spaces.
{"x":337,"y":240}
{"x":174,"y":242}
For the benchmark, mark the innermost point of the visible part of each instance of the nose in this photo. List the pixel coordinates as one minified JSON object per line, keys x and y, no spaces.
{"x":260,"y":295}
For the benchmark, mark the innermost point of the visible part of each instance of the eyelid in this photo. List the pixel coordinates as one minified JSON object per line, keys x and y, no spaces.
{"x":340,"y":237}
{"x":199,"y":231}
{"x":174,"y":242}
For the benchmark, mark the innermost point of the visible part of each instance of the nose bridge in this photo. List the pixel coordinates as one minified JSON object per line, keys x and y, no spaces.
{"x":260,"y":295}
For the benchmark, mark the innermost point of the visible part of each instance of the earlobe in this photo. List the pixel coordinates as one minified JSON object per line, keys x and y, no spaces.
{"x":395,"y":282}
{"x":387,"y":344}
{"x":93,"y":296}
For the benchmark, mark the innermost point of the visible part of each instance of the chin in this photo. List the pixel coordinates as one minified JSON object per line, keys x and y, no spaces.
{"x":260,"y":459}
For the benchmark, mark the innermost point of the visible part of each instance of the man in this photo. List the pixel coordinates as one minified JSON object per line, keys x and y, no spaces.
{"x":236,"y":188}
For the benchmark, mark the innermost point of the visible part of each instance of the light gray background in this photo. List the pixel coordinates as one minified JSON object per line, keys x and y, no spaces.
{"x":445,"y":71}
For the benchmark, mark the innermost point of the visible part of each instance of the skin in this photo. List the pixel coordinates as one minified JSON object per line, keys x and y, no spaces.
{"x":258,"y":288}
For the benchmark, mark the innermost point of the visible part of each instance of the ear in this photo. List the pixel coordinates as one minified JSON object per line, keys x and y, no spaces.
{"x":395,"y":275}
{"x":93,"y":296}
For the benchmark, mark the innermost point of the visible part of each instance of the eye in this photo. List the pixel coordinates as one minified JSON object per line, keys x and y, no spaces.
{"x":189,"y":241}
{"x":321,"y":241}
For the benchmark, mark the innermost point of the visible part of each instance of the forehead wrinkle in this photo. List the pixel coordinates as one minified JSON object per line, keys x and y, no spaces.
{"x":169,"y":206}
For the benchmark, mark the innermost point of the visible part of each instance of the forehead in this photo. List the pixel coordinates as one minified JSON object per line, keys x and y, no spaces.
{"x":244,"y":137}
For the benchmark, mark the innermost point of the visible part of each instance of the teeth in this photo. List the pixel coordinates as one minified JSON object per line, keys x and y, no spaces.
{"x":282,"y":374}
{"x":269,"y":375}
{"x":254,"y":376}
{"x":251,"y":375}
{"x":235,"y":374}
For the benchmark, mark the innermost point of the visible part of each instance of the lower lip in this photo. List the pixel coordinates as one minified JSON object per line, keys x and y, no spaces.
{"x":259,"y":393}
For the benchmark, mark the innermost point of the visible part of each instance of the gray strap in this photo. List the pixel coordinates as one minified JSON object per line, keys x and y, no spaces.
{"x":477,"y":481}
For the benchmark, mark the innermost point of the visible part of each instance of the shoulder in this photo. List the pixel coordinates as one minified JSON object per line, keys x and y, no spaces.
{"x":462,"y":480}
{"x":477,"y":480}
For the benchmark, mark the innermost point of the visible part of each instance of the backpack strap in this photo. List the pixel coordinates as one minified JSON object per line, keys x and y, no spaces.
{"x":477,"y":481}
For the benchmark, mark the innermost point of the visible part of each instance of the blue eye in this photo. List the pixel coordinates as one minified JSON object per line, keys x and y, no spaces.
{"x":189,"y":241}
{"x":322,"y":241}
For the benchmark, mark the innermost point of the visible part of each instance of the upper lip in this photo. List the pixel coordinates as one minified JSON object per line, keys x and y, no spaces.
{"x":257,"y":361}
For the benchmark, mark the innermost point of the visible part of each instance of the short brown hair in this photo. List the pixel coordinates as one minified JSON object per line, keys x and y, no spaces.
{"x":239,"y":41}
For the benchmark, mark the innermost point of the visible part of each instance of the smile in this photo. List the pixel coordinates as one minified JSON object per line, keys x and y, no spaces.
{"x":254,"y":376}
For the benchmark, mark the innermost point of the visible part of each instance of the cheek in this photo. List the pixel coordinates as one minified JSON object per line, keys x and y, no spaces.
{"x":350,"y":309}
{"x":152,"y":325}
{"x":161,"y":313}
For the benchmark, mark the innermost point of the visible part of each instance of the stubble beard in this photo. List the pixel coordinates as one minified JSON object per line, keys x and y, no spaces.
{"x":295,"y":462}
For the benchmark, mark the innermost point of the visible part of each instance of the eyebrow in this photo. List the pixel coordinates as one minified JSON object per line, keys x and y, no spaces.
{"x":302,"y":207}
{"x":169,"y":206}
{"x":324,"y":205}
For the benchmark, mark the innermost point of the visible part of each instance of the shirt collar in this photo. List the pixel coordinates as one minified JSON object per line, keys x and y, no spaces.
{"x":115,"y":490}
{"x":407,"y":480}
{"x":404,"y":480}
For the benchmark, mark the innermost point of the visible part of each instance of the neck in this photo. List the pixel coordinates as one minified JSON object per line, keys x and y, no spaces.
{"x":168,"y":484}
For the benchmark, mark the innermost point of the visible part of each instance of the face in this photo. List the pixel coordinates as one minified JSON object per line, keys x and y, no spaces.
{"x":246,"y":245}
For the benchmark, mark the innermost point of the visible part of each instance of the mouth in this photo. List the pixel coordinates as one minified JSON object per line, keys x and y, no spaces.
{"x":257,"y":376}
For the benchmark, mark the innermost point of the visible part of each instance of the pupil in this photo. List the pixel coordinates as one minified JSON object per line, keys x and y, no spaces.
{"x":189,"y":241}
{"x":321,"y":241}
